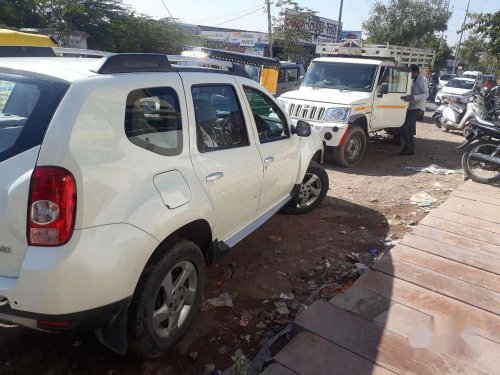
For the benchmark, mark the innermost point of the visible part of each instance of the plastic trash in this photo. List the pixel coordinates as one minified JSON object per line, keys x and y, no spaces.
{"x":422,"y":199}
{"x":433,"y":168}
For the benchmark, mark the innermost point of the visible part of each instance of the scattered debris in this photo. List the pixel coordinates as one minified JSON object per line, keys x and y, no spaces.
{"x":209,"y":369}
{"x":422,"y":199}
{"x":274,"y":238}
{"x":280,"y":304}
{"x":193,"y":356}
{"x":223,"y":300}
{"x":76,"y":344}
{"x":353,"y":257}
{"x":437,"y":185}
{"x":261,"y":325}
{"x":283,"y":310}
{"x":395,"y":222}
{"x":244,"y":323}
{"x":342,"y":232}
{"x":433,"y":168}
{"x":373,"y":200}
{"x":327,"y":264}
{"x":361,"y":266}
{"x":223,"y":349}
{"x":288,"y":296}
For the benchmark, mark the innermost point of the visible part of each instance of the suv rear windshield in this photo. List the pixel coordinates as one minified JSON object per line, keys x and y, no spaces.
{"x":26,"y":108}
{"x":460,"y":84}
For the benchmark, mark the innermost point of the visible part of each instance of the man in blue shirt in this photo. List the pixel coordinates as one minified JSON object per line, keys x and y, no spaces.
{"x":417,"y":99}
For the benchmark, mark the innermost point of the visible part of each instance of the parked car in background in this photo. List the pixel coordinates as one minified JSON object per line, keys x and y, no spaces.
{"x":473,"y":74}
{"x":445,"y":78}
{"x":290,"y":77}
{"x":120,"y":178}
{"x":460,"y":89}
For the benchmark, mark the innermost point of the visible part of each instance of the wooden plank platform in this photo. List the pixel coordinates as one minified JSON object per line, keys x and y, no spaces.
{"x":431,"y":305}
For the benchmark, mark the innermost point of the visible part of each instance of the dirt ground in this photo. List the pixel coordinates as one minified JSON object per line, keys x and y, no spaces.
{"x":308,"y":256}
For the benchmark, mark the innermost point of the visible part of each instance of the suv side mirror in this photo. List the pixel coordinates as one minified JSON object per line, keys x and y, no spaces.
{"x":383,"y":89}
{"x":302,"y":129}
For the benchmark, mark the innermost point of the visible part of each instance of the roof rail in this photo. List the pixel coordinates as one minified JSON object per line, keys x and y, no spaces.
{"x":200,"y":60}
{"x":134,"y":63}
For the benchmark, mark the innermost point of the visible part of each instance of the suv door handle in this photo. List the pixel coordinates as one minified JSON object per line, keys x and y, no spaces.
{"x":215,"y":176}
{"x":268,"y":160}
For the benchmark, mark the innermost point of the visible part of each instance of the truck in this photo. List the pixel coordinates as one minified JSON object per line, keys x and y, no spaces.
{"x":352,"y":91}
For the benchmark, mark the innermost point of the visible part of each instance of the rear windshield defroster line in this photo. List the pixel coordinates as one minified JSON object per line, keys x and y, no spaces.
{"x":28,"y":103}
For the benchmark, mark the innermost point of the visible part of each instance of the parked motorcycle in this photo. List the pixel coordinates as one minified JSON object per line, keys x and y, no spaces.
{"x":481,"y":162}
{"x":433,"y":90}
{"x":455,"y":114}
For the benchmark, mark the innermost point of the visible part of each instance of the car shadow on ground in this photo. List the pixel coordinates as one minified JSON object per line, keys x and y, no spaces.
{"x":382,"y":151}
{"x":263,"y":268}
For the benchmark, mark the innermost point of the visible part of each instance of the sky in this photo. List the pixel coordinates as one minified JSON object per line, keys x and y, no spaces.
{"x":247,"y":14}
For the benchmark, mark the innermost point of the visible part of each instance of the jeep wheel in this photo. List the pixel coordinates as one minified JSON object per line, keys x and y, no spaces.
{"x":312,"y":191}
{"x":166,"y":299}
{"x":353,"y":149}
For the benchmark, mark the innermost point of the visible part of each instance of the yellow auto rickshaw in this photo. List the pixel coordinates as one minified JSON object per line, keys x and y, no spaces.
{"x":18,"y":44}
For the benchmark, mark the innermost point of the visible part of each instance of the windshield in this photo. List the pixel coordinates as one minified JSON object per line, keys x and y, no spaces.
{"x":253,"y":72}
{"x":340,"y":75}
{"x":460,"y":84}
{"x":469,"y":76}
{"x":446,"y":77}
{"x":26,"y":107}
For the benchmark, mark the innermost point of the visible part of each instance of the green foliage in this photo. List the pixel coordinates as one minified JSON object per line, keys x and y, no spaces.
{"x":109,"y":23}
{"x":486,"y":26}
{"x":471,"y":51}
{"x":406,"y":22}
{"x":288,"y":29}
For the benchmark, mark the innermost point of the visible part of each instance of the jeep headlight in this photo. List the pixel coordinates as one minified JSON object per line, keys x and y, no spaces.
{"x":338,"y":114}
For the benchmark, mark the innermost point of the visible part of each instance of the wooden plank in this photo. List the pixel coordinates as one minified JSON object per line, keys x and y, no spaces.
{"x":277,"y":369}
{"x":466,"y":220}
{"x":483,"y":189}
{"x":476,"y":197}
{"x":458,"y":240}
{"x":308,"y":354}
{"x":361,"y":302}
{"x":461,"y":229}
{"x":479,"y":210}
{"x":372,"y":342}
{"x":462,"y":291}
{"x":475,"y":350}
{"x":429,"y":302}
{"x":453,"y":269}
{"x":457,"y":254}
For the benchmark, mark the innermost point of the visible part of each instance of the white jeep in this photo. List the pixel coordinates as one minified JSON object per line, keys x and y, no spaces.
{"x":121,"y":177}
{"x":345,"y":99}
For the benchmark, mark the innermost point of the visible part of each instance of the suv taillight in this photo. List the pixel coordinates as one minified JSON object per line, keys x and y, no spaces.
{"x":52,"y":207}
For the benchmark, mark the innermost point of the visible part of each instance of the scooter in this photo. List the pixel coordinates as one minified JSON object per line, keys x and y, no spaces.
{"x":433,"y":90}
{"x":481,"y":162}
{"x":455,"y":115}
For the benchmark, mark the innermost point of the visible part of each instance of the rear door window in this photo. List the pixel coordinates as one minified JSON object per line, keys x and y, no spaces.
{"x":27,"y":105}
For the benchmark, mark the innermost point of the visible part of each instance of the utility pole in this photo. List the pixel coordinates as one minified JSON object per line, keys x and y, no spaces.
{"x":442,"y":34}
{"x":337,"y":39}
{"x":460,"y":40}
{"x":269,"y":27}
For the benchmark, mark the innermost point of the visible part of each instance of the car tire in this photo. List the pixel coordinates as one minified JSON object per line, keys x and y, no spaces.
{"x":161,"y":298}
{"x":352,"y":151}
{"x":315,"y":179}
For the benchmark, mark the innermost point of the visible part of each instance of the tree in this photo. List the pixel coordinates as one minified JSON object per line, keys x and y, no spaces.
{"x":406,"y":22}
{"x":443,"y":54}
{"x":487,"y":27}
{"x":289,"y":33}
{"x":471,"y":51}
{"x":109,"y":23}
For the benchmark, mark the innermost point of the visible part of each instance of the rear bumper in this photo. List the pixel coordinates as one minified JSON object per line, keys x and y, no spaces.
{"x":91,"y":319}
{"x":96,"y":269}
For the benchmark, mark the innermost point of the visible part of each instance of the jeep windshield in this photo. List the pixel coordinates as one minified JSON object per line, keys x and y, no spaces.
{"x":26,"y":108}
{"x":340,"y":75}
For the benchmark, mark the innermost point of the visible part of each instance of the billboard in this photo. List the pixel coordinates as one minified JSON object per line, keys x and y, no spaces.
{"x":239,"y":38}
{"x":349,"y":34}
{"x":318,"y":27}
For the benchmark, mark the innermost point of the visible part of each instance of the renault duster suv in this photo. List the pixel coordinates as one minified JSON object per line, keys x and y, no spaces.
{"x":121,"y":177}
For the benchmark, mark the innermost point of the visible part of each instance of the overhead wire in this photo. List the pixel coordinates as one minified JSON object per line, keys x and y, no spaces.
{"x":236,"y":18}
{"x":168,"y":11}
{"x":229,"y":14}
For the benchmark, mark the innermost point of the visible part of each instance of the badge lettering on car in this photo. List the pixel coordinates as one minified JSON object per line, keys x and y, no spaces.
{"x":5,"y":249}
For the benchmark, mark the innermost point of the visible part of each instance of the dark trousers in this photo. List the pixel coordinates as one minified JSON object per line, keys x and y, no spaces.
{"x":409,"y":128}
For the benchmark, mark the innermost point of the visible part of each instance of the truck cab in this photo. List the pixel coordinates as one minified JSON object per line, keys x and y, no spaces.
{"x":346,"y":98}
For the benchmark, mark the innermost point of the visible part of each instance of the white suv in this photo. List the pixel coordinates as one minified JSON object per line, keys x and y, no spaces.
{"x":121,"y":177}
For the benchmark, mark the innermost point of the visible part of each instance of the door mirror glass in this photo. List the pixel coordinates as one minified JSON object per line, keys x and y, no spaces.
{"x":302,"y":129}
{"x":384,"y":88}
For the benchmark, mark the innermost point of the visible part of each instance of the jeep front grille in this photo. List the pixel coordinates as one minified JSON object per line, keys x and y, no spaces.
{"x":306,"y":112}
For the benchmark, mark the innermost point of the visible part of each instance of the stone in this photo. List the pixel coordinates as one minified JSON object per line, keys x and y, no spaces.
{"x":193,"y":356}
